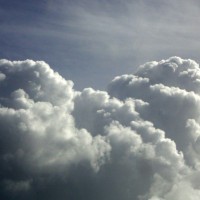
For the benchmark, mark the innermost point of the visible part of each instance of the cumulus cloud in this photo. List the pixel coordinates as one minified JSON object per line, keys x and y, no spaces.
{"x":138,"y":140}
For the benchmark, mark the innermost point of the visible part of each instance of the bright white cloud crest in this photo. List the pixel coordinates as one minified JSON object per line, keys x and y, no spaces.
{"x":140,"y":140}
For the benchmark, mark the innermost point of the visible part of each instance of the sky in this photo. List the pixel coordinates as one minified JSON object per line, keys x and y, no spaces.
{"x":90,"y":42}
{"x":99,"y":100}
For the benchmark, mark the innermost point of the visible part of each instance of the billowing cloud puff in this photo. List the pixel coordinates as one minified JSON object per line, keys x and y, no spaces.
{"x":171,"y":89}
{"x":140,"y":140}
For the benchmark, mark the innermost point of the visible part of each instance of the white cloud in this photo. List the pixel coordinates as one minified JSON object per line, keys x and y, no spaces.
{"x":138,"y":140}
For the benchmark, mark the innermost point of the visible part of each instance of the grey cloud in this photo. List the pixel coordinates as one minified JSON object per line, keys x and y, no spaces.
{"x":171,"y":88}
{"x":12,"y":186}
{"x":139,"y":140}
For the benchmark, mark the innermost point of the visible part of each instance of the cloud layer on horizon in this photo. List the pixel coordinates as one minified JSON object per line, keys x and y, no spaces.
{"x":138,"y":140}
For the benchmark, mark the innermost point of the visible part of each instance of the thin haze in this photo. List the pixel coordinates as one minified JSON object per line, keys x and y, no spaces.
{"x":137,"y":139}
{"x":90,"y":42}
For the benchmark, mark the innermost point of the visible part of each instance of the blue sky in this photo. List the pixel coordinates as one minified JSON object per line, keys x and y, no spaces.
{"x":138,"y":138}
{"x":90,"y":42}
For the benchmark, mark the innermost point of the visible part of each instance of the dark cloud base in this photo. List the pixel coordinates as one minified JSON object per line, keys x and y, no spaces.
{"x":137,"y":140}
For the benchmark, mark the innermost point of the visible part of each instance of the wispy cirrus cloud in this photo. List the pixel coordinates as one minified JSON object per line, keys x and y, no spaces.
{"x":90,"y":37}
